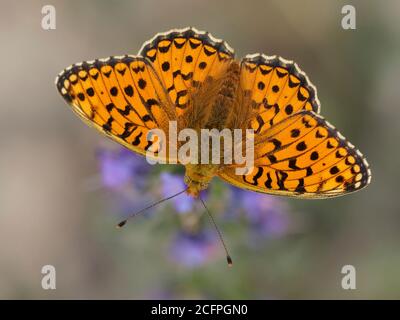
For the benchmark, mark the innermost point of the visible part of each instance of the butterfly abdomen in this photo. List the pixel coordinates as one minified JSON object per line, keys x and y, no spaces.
{"x":223,"y":103}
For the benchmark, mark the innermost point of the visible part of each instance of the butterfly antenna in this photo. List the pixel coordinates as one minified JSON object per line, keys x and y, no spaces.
{"x":228,"y":257}
{"x":123,"y":222}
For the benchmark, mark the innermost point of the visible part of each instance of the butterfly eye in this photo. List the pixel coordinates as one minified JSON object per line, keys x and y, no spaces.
{"x":187,"y":180}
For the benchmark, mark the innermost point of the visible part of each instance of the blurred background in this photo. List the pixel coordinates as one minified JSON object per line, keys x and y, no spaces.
{"x":63,"y":186}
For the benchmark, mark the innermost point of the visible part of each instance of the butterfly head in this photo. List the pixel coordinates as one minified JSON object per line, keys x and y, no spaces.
{"x":195,"y":188}
{"x":198,"y":177}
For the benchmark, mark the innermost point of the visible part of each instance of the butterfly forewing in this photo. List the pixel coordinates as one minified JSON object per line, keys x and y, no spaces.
{"x":303,"y":156}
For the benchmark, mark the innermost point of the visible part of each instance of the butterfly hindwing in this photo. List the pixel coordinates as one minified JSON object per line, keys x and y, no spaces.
{"x":303,"y":156}
{"x":122,"y":97}
{"x":277,"y":89}
{"x":184,"y":58}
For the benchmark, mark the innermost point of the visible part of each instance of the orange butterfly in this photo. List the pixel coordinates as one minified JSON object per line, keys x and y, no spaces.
{"x":190,"y":77}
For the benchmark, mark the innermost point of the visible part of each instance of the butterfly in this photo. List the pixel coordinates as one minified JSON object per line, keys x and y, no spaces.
{"x":190,"y":77}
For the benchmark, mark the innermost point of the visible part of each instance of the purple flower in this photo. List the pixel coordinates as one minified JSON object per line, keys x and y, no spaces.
{"x":193,"y":249}
{"x":268,"y":215}
{"x":160,"y":294}
{"x":120,"y":167}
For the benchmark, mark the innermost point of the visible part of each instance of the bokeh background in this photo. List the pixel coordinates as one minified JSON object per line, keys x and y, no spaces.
{"x":63,"y":186}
